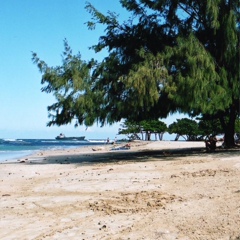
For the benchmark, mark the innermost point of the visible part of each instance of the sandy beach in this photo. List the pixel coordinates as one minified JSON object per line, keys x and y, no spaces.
{"x":155,"y":190}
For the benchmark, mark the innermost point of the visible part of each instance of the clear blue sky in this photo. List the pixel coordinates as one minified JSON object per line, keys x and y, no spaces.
{"x":40,"y":26}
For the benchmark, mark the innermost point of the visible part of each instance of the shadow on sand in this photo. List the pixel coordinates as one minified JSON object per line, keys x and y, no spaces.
{"x":118,"y":157}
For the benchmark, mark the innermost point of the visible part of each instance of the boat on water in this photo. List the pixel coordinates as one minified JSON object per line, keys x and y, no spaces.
{"x":62,"y":136}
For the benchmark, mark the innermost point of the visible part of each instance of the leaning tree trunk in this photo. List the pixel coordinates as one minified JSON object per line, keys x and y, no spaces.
{"x":161,"y":136}
{"x":177,"y":137}
{"x":229,"y":128}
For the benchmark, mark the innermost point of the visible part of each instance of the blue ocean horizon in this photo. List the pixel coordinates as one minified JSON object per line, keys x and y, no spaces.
{"x":12,"y":149}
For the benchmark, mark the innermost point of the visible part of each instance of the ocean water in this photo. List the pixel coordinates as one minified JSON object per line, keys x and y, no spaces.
{"x":11,"y":149}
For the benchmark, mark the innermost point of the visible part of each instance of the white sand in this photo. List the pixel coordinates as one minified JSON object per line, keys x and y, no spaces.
{"x":147,"y":192}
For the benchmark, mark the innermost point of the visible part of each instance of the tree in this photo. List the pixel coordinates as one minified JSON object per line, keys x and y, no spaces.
{"x":199,"y":41}
{"x":153,"y":126}
{"x":131,"y":129}
{"x":169,"y":56}
{"x":132,"y":78}
{"x":72,"y":87}
{"x":186,"y":128}
{"x":209,"y":127}
{"x":146,"y":127}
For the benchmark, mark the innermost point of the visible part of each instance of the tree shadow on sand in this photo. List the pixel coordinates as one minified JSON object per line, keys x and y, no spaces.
{"x":133,"y":156}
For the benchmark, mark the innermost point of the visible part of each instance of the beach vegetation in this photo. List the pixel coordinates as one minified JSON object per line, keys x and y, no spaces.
{"x":143,"y":130}
{"x":156,"y":127}
{"x":208,"y":126}
{"x":189,"y":129}
{"x":168,"y":56}
{"x":195,"y":130}
{"x":185,"y":128}
{"x":131,"y":129}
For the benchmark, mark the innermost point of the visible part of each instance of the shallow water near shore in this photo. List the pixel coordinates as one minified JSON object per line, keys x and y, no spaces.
{"x":11,"y":149}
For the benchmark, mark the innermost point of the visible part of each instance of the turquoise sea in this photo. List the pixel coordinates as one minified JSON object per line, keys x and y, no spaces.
{"x":11,"y":149}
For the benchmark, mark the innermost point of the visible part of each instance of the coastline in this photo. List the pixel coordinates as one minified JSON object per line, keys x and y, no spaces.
{"x":88,"y":154}
{"x":12,"y":156}
{"x":155,"y":190}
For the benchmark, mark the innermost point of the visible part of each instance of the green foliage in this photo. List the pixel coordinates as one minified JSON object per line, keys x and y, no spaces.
{"x":210,"y":127}
{"x":72,"y":87}
{"x":153,"y":126}
{"x":189,"y":129}
{"x":237,"y":126}
{"x":131,"y":70}
{"x":197,"y":80}
{"x":196,"y":41}
{"x":168,"y":56}
{"x":147,"y":127}
{"x":185,"y":127}
{"x":129,"y":128}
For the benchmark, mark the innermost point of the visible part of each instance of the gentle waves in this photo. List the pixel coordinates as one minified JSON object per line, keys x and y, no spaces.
{"x":17,"y":148}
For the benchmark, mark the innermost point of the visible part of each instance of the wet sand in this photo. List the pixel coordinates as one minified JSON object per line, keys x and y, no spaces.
{"x":155,"y":190}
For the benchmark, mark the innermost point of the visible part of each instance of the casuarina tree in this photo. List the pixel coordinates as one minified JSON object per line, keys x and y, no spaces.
{"x":167,"y":56}
{"x":196,"y":41}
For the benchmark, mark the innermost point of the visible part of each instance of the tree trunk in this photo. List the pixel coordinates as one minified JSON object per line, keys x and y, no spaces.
{"x":149,"y":136}
{"x":161,"y":136}
{"x":229,"y":128}
{"x":177,"y":137}
{"x":229,"y":134}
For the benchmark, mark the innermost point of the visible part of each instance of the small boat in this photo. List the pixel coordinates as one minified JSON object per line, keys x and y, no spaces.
{"x":61,"y":136}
